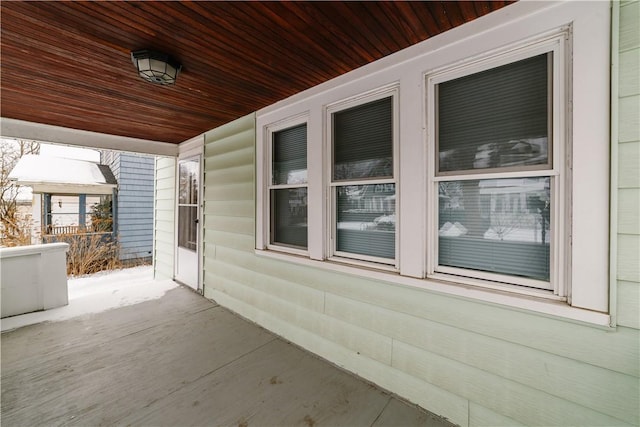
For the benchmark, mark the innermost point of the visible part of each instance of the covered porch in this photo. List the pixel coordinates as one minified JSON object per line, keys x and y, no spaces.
{"x":478,"y":344}
{"x":174,"y":358}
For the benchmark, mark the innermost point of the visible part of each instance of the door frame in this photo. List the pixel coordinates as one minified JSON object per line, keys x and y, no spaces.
{"x":190,"y":150}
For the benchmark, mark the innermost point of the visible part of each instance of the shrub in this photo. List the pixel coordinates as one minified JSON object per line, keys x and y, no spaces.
{"x":102,"y":216}
{"x":15,"y":230}
{"x":90,"y":253}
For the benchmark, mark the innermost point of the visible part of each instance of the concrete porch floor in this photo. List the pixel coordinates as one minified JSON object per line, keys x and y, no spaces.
{"x":181,"y":360}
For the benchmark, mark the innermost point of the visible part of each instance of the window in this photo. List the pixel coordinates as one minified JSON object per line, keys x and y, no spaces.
{"x":474,"y":165}
{"x":288,"y":188}
{"x":497,"y":185}
{"x":188,"y":183}
{"x":363,"y":183}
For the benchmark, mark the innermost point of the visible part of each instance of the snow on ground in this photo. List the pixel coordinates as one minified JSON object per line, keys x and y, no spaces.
{"x":99,"y":292}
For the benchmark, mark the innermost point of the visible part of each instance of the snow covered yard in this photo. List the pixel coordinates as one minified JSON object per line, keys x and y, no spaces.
{"x":99,"y":292}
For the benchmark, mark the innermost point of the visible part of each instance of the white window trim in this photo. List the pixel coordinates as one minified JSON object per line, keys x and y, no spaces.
{"x":556,"y":44}
{"x":269,"y":132}
{"x":345,"y":257}
{"x":587,"y":123}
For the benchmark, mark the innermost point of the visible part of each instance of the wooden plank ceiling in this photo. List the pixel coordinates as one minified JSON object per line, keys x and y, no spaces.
{"x":68,"y":63}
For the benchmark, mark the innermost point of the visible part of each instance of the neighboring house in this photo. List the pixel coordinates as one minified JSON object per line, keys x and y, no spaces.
{"x":522,"y":308}
{"x":64,"y":192}
{"x":134,"y":202}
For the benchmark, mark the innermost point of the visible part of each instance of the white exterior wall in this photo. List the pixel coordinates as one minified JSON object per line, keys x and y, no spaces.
{"x":33,"y":278}
{"x":65,"y":209}
{"x":36,"y":218}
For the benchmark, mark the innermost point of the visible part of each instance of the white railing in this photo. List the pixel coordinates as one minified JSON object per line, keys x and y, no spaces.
{"x":33,"y":278}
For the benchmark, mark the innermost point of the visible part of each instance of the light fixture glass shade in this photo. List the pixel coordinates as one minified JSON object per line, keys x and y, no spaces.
{"x":156,"y":67}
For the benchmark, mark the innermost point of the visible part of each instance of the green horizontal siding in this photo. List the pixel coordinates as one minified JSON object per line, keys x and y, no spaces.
{"x":484,"y":417}
{"x":164,"y":217}
{"x":629,"y":29}
{"x":628,"y":170}
{"x":628,"y":179}
{"x":235,"y":208}
{"x":477,"y":364}
{"x":228,"y":212}
{"x":628,"y":304}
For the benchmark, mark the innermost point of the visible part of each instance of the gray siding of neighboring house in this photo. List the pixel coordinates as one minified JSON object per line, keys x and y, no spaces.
{"x":111,"y":158}
{"x":135,"y":206}
{"x":135,"y":175}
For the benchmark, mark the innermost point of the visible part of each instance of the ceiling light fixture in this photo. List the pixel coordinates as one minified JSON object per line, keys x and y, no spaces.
{"x":156,"y":67}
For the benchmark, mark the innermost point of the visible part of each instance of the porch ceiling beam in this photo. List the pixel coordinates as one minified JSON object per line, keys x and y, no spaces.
{"x":20,"y":129}
{"x":71,"y":189}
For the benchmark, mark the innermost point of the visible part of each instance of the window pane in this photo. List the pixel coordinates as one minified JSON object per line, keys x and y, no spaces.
{"x":289,"y":217}
{"x":188,"y":177}
{"x":363,"y":141}
{"x":366,"y":220}
{"x":496,"y":225}
{"x":188,"y":227}
{"x":290,"y":156}
{"x":495,"y":118}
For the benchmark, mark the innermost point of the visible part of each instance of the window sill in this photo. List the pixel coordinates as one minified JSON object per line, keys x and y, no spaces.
{"x":545,"y":306}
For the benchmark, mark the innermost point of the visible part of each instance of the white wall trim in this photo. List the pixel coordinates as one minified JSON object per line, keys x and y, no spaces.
{"x":64,"y":188}
{"x":195,"y":153}
{"x":191,"y":147}
{"x":20,"y":129}
{"x":613,"y":185}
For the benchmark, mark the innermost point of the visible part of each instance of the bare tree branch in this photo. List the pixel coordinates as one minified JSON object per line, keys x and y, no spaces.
{"x":12,"y":228}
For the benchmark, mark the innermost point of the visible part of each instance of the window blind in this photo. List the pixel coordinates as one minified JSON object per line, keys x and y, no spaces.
{"x":366,"y":220}
{"x":495,"y":118}
{"x":363,"y":141}
{"x":290,"y":156}
{"x":496,"y":225}
{"x":289,"y":217}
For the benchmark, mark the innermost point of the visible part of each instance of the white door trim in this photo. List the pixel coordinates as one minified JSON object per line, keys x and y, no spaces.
{"x":188,"y":263}
{"x":190,"y":150}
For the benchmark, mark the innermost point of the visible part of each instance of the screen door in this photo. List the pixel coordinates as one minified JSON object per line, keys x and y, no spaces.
{"x":187,"y":265}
